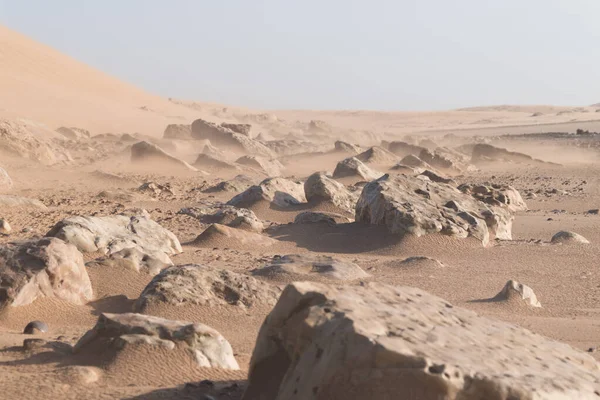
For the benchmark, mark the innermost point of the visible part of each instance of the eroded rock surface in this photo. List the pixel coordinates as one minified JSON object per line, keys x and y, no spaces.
{"x":279,"y":191}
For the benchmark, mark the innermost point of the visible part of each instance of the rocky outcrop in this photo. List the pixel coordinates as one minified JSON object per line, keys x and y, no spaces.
{"x":114,"y":332}
{"x":74,"y":133}
{"x":415,"y":162}
{"x":567,"y":237}
{"x":243,"y":129}
{"x":131,"y":259}
{"x":482,"y":153}
{"x":194,"y":284}
{"x":30,"y":141}
{"x":279,"y":191}
{"x":347,"y":147}
{"x":145,"y":152}
{"x":496,"y":195}
{"x":114,"y":233}
{"x":384,"y":342}
{"x":224,"y":137}
{"x":516,"y":290}
{"x":271,"y":168}
{"x":178,"y":131}
{"x":5,"y":181}
{"x":403,"y":149}
{"x":353,"y":167}
{"x":231,"y":216}
{"x":377,"y":155}
{"x":46,"y":267}
{"x":446,"y":160}
{"x":236,"y":185}
{"x":206,"y":161}
{"x":418,"y":206}
{"x":321,"y":188}
{"x":311,"y":267}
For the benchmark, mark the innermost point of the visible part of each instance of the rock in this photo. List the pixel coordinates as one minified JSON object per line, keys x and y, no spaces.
{"x":155,"y":189}
{"x":383,"y":342}
{"x":5,"y":181}
{"x":438,"y":178}
{"x":82,"y":375}
{"x":231,"y":216}
{"x":224,"y":137}
{"x":299,"y":148}
{"x":193,"y":284}
{"x":114,"y":233}
{"x":446,"y":160}
{"x":347,"y":147}
{"x":46,"y":267}
{"x":74,"y":133}
{"x":237,"y":184}
{"x":352,"y":167}
{"x":32,"y":141}
{"x":35,"y":327}
{"x":319,"y":187}
{"x":566,"y":237}
{"x":404,"y":149}
{"x":207,"y":161}
{"x":112,"y":178}
{"x":496,"y":195}
{"x":145,"y":152}
{"x":216,"y":233}
{"x":421,"y":262}
{"x":482,"y":153}
{"x":206,"y":346}
{"x":308,"y":266}
{"x":133,"y":259}
{"x":413,"y":161}
{"x":377,"y":155}
{"x":279,"y":191}
{"x":418,"y":206}
{"x":178,"y":131}
{"x":313,"y":217}
{"x":22,"y":202}
{"x":271,"y":168}
{"x":5,"y":228}
{"x":514,"y":289}
{"x":593,"y":211}
{"x":319,"y":126}
{"x":243,"y":129}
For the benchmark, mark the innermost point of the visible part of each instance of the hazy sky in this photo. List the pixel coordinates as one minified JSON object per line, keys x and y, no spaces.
{"x":350,"y":54}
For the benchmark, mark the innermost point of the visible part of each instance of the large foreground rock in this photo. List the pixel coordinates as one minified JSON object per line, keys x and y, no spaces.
{"x":114,"y":233}
{"x":145,"y":152}
{"x":279,"y":191}
{"x":307,"y":266}
{"x":194,"y":284}
{"x":418,"y":206}
{"x":114,"y":332}
{"x":320,"y":187}
{"x":47,"y":267}
{"x":381,"y":342}
{"x":353,"y":167}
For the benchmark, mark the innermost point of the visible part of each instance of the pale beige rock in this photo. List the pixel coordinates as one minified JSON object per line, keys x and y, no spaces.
{"x":234,"y":217}
{"x":5,"y":181}
{"x":239,"y":236}
{"x":566,"y":237}
{"x":271,"y":168}
{"x":226,"y":138}
{"x":22,"y":202}
{"x":279,"y":191}
{"x":145,"y":152}
{"x":377,"y":155}
{"x":5,"y":227}
{"x":514,"y":289}
{"x":193,"y":284}
{"x":347,"y":147}
{"x":111,"y":234}
{"x":114,"y":331}
{"x":74,"y":133}
{"x":320,"y":187}
{"x":383,"y":342}
{"x":178,"y":131}
{"x":353,"y":167}
{"x":131,"y":259}
{"x":28,"y":140}
{"x":46,"y":267}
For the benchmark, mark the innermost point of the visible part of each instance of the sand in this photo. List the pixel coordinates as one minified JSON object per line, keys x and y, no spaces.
{"x":50,"y":89}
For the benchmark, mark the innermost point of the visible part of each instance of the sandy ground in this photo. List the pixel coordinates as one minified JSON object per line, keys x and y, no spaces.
{"x":53,"y":90}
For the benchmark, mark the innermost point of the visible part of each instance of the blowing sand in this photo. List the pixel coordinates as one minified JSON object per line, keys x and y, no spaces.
{"x":46,"y":89}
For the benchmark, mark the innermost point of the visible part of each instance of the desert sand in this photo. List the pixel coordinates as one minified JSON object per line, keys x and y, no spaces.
{"x":55,"y":174}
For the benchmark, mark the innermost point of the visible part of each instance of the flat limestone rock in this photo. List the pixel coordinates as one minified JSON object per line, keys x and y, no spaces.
{"x":111,"y":234}
{"x":206,"y":346}
{"x":307,"y":266}
{"x":279,"y":191}
{"x":385,"y":342}
{"x":193,"y":284}
{"x":46,"y":267}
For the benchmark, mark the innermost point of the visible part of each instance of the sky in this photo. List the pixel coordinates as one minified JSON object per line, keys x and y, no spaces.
{"x":332,"y":54}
